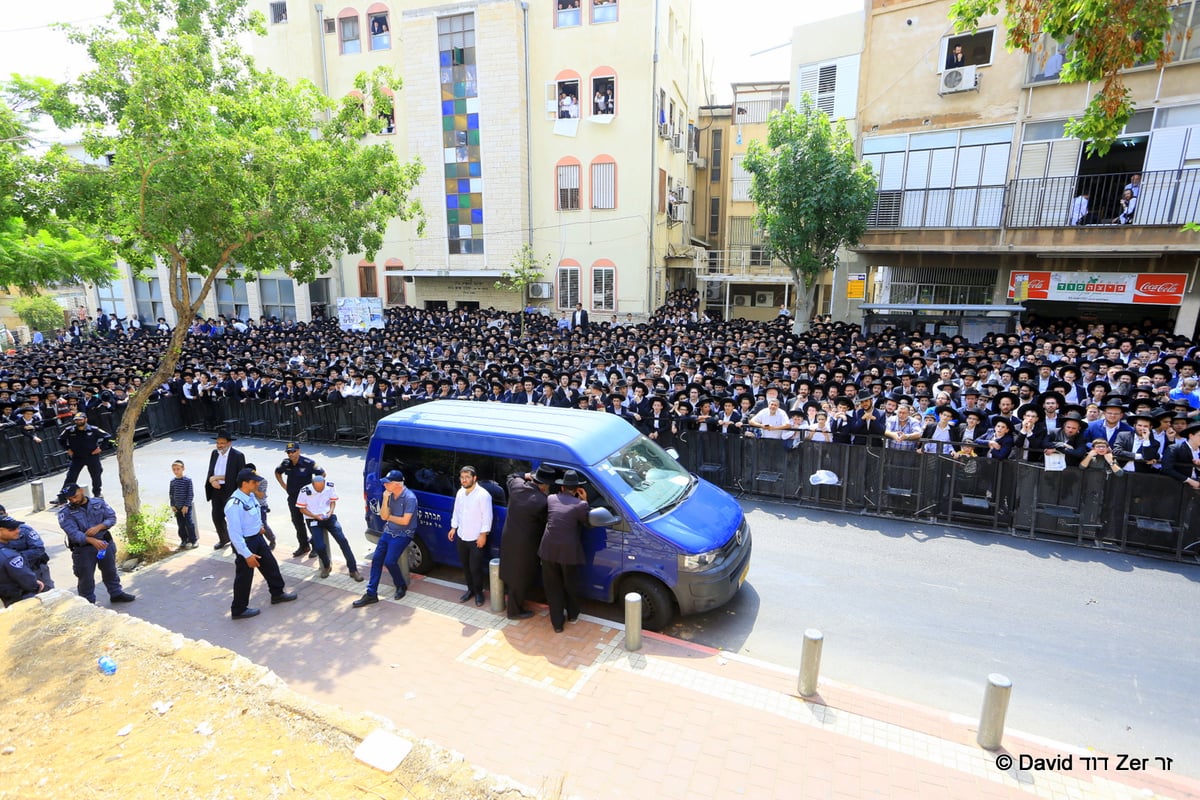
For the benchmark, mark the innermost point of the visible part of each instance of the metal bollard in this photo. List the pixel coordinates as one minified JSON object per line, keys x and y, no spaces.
{"x":810,"y":662}
{"x":39,"y":495}
{"x":497,"y":585}
{"x":995,"y":708}
{"x":633,"y":621}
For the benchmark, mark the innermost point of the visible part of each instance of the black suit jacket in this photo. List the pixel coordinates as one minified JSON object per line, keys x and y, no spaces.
{"x":1123,"y":449}
{"x":579,"y":319}
{"x":233,"y":465}
{"x":1177,"y":463}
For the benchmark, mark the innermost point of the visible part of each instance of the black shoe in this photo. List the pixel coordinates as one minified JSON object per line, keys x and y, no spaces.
{"x":522,"y":615}
{"x":271,"y":544}
{"x":249,"y":612}
{"x":366,"y":600}
{"x":479,"y":599}
{"x":286,"y":597}
{"x":123,"y":597}
{"x":312,"y":553}
{"x":573,"y":619}
{"x":466,"y":596}
{"x":403,"y":590}
{"x":558,"y":629}
{"x":358,"y":577}
{"x":220,"y":545}
{"x":300,"y":551}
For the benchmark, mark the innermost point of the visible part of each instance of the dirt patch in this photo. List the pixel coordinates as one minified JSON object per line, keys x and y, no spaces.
{"x":181,"y":719}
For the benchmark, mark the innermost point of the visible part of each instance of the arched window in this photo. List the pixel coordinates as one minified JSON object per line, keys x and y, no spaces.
{"x":349,"y":36}
{"x":603,"y":94}
{"x":379,"y":27}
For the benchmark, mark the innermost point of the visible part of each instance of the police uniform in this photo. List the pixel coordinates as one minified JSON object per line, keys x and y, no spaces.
{"x":243,"y":517}
{"x":320,"y":502}
{"x":30,"y":545}
{"x":81,"y":442}
{"x":75,"y":521}
{"x":17,"y":580}
{"x":298,"y":475}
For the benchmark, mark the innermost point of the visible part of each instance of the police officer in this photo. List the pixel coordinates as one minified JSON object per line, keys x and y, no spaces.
{"x":251,"y":550}
{"x":17,"y":579}
{"x":82,"y":443}
{"x":87,"y":522}
{"x":299,"y":472}
{"x":317,"y":502}
{"x":29,"y":544}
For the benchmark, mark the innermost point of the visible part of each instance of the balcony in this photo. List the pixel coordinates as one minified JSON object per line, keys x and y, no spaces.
{"x":749,"y":262}
{"x":1167,"y":197}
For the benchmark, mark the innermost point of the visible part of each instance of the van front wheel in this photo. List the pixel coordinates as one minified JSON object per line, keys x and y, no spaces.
{"x":420,"y":560}
{"x":658,"y":606}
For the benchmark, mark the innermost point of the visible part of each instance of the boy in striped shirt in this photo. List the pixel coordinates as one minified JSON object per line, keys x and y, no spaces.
{"x":182,"y":497}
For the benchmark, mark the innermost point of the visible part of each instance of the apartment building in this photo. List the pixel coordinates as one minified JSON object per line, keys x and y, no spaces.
{"x":982,"y":199}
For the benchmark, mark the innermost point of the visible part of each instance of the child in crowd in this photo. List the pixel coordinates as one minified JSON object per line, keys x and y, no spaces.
{"x":261,"y":493}
{"x":181,"y":494}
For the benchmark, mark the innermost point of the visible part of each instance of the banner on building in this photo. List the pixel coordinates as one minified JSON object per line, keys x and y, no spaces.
{"x":856,"y":286}
{"x":1139,"y":288}
{"x":359,"y":313}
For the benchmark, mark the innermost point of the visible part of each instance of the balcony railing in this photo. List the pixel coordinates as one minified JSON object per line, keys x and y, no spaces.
{"x":1166,"y":197}
{"x":753,"y":260}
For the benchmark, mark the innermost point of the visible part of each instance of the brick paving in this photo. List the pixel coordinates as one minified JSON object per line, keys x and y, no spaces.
{"x":576,"y":710}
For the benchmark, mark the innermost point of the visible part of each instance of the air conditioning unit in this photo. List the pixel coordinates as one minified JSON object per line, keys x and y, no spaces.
{"x":677,"y":142}
{"x":960,"y":79}
{"x":742,"y":300}
{"x":701,"y":162}
{"x":764,"y":298}
{"x":541,"y":291}
{"x":677,"y":213}
{"x":664,"y":131}
{"x":692,"y":156}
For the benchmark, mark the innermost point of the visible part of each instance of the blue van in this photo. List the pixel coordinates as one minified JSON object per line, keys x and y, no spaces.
{"x":678,"y":540}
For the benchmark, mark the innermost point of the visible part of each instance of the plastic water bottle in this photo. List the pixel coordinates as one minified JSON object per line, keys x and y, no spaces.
{"x":107,"y":665}
{"x":100,"y":554}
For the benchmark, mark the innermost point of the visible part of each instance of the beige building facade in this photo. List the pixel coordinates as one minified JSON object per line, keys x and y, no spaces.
{"x":980,"y":189}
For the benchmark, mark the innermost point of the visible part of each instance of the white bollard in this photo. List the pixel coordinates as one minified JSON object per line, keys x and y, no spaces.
{"x":810,"y":662}
{"x":39,"y":495}
{"x":995,"y":708}
{"x":633,"y":621}
{"x":497,"y":585}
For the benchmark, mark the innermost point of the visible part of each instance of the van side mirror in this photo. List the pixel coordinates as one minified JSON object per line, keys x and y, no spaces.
{"x":601,"y":517}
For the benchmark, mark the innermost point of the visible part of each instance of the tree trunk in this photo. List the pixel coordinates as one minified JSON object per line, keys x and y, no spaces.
{"x":133,"y":412}
{"x":804,"y":293}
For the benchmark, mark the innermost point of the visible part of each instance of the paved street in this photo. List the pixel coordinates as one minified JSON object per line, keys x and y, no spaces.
{"x":977,"y":605}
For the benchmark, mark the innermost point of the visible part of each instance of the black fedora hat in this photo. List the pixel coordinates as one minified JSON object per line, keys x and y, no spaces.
{"x":570,"y":480}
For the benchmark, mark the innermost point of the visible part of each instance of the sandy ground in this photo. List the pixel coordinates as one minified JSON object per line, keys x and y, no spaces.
{"x":179,"y":719}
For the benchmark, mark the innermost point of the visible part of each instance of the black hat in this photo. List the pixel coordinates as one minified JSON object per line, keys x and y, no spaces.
{"x":394,"y":476}
{"x":1113,"y":401}
{"x":978,"y":413}
{"x":292,"y":447}
{"x":546,"y":474}
{"x":1073,"y":415}
{"x":69,"y":489}
{"x":1190,"y":429}
{"x":9,"y":522}
{"x":246,"y":475}
{"x":570,"y":480}
{"x":226,"y":435}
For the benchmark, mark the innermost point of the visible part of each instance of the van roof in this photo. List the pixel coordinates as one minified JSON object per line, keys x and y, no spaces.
{"x":546,"y":434}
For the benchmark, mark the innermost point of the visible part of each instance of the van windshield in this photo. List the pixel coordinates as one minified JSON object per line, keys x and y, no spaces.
{"x":650,"y":480}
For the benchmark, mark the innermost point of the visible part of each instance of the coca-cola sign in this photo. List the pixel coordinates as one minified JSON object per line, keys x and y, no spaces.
{"x":1143,"y":288}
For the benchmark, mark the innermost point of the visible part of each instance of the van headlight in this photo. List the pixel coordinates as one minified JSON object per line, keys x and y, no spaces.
{"x":700,"y":561}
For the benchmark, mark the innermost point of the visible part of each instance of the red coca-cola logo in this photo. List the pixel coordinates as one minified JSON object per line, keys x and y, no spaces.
{"x":1037,"y":283}
{"x":1169,"y":287}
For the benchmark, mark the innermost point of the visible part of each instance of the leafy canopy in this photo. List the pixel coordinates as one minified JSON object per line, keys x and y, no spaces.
{"x":1101,"y":38}
{"x":40,"y":313}
{"x":813,"y":194}
{"x":37,"y":247}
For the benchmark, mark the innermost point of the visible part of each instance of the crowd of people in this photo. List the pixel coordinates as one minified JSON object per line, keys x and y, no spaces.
{"x":1064,"y":394}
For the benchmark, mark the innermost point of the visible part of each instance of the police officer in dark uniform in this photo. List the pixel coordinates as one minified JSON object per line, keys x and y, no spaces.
{"x":82,"y":443}
{"x":29,"y":544}
{"x":299,"y":471}
{"x":87,"y":522}
{"x":17,"y":580}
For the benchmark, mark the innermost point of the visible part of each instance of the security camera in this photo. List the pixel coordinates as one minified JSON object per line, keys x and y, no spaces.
{"x":909,"y":21}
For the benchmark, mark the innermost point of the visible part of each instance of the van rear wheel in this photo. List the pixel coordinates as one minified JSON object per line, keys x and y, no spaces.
{"x":420,"y":560}
{"x":658,"y":605}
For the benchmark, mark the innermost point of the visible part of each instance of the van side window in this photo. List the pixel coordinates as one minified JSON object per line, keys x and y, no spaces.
{"x":433,"y":470}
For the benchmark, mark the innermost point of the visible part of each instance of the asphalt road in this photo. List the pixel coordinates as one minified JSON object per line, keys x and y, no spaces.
{"x":1101,"y":648}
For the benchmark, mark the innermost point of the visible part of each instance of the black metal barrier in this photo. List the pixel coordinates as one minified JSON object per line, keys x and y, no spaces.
{"x":1129,"y":511}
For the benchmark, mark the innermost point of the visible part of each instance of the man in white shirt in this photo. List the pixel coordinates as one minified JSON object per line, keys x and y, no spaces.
{"x":316,"y":503}
{"x":470,"y":524}
{"x":771,"y":421}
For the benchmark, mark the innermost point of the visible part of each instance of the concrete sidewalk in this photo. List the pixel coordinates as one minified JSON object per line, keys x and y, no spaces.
{"x":576,"y":710}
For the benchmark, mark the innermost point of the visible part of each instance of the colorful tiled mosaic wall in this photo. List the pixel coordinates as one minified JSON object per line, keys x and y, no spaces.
{"x":460,"y":134}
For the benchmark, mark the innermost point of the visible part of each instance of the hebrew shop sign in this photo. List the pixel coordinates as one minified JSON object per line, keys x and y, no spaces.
{"x":1139,"y":288}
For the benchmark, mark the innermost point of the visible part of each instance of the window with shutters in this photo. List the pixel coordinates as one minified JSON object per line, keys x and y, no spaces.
{"x":714,"y":217}
{"x":604,"y":183}
{"x":368,"y":280}
{"x":568,"y":186}
{"x":278,"y":13}
{"x":568,"y":286}
{"x":715,"y":155}
{"x":820,"y":83}
{"x":604,"y":283}
{"x":740,"y":180}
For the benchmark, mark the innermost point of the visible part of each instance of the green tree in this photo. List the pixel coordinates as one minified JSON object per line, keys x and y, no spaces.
{"x":39,"y":312}
{"x":220,"y":169}
{"x":523,"y":270}
{"x":813,"y":194}
{"x":1101,"y":38}
{"x":37,"y":247}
